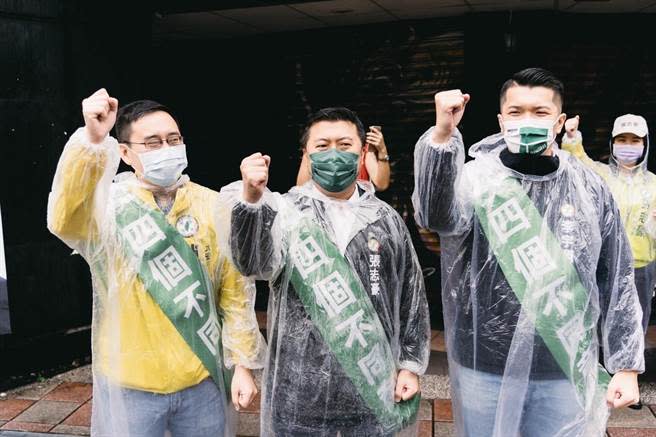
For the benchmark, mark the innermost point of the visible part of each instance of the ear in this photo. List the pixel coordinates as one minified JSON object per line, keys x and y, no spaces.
{"x":124,"y":150}
{"x":363,"y":155}
{"x":560,"y":122}
{"x":500,"y":120}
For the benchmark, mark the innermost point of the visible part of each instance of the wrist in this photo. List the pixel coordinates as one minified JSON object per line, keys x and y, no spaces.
{"x":440,"y":136}
{"x":240,"y":368}
{"x":252,"y":198}
{"x":93,"y":137}
{"x":631,"y":372}
{"x":383,"y":156}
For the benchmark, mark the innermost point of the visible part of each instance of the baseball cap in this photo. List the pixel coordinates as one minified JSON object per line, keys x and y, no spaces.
{"x":632,"y":124}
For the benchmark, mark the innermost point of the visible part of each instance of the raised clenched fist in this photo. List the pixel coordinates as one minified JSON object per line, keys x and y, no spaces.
{"x":99,"y":112}
{"x":254,"y":174}
{"x":572,"y":126}
{"x":449,"y":109}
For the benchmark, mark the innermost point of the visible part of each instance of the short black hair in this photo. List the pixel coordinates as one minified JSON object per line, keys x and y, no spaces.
{"x":533,"y":77}
{"x":333,"y":114}
{"x":134,"y":111}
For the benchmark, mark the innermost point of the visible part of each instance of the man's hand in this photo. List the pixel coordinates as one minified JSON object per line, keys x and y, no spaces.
{"x":572,"y":126}
{"x":623,"y":389}
{"x":449,"y":109}
{"x":243,"y":389}
{"x":99,"y":112}
{"x":407,"y":385}
{"x":376,"y":140}
{"x":255,"y":174}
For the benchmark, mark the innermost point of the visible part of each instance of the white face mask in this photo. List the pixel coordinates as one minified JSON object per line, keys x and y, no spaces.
{"x":529,"y":135}
{"x":163,"y":167}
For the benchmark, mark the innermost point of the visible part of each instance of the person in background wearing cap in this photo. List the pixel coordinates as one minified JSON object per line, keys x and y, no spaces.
{"x":634,"y":189}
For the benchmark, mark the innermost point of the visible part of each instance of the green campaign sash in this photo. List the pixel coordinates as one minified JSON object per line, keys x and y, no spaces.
{"x":174,"y":277}
{"x":340,"y":308}
{"x":544,"y":280}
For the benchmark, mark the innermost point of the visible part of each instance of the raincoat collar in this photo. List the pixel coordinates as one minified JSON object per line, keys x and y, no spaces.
{"x":146,"y":194}
{"x":364,"y":191}
{"x":490,"y":147}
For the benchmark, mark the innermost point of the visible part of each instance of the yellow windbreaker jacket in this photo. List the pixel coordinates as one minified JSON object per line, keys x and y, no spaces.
{"x":134,"y":343}
{"x":635,"y":193}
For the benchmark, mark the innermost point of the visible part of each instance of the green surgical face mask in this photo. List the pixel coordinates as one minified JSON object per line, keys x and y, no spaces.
{"x":529,"y":135}
{"x":334,"y":170}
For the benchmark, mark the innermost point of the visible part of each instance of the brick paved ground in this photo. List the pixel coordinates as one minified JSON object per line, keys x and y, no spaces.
{"x":66,"y":409}
{"x":62,"y":405}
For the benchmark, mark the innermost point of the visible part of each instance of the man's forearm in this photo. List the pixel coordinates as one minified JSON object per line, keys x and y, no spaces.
{"x":251,"y":241}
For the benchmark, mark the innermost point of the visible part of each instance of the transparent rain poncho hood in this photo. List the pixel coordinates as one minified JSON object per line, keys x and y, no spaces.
{"x":169,"y":310}
{"x":532,"y":266}
{"x":347,"y":309}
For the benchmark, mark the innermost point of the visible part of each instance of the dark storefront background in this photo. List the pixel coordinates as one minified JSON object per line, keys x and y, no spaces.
{"x":240,"y":95}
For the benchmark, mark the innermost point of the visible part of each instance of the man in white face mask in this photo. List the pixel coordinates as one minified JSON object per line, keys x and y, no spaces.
{"x":535,"y":258}
{"x":634,"y":190}
{"x":171,"y":313}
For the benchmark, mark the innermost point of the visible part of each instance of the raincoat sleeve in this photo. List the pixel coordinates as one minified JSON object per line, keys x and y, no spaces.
{"x":80,"y":190}
{"x":414,"y":317}
{"x":621,"y":314}
{"x":438,"y":170}
{"x":575,"y":147}
{"x":243,"y":344}
{"x":255,"y":236}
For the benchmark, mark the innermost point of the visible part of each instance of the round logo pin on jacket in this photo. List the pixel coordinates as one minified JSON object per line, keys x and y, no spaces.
{"x":187,"y":226}
{"x":373,"y":243}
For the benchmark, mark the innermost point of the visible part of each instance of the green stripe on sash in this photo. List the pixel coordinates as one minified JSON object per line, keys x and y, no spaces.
{"x":545,"y":282}
{"x":174,"y":277}
{"x":343,"y":313}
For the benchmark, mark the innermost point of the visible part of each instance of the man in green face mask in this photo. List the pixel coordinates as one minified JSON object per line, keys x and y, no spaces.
{"x":348,"y":327}
{"x":334,"y":148}
{"x":537,"y":271}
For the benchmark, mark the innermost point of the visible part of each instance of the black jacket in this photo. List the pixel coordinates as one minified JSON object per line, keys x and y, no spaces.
{"x":305,"y":389}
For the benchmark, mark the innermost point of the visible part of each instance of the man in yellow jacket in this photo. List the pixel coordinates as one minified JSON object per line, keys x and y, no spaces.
{"x":171,"y":314}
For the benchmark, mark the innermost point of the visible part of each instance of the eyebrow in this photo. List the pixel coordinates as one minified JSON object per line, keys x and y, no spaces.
{"x":338,"y":139}
{"x":157,"y":136}
{"x":535,"y":107}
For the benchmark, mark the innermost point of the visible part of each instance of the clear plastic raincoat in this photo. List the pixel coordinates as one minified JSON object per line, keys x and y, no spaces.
{"x":634,"y":190}
{"x":170,"y":312}
{"x":347,"y":309}
{"x":532,"y":266}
